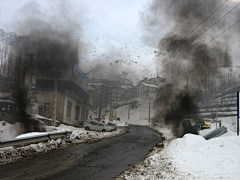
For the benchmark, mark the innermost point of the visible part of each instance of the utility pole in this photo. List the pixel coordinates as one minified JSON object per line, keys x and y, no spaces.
{"x":121,"y":111}
{"x":100,"y":106}
{"x":129,"y":111}
{"x":54,"y":114}
{"x":111,"y":111}
{"x":149,"y":109}
{"x":140,"y":113}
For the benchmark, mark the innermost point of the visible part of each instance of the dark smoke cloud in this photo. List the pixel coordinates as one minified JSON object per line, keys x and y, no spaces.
{"x":49,"y":34}
{"x":191,"y":65}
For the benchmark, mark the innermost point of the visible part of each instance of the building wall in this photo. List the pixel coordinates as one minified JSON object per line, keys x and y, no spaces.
{"x":144,"y":90}
{"x":6,"y":59}
{"x":66,"y":107}
{"x":141,"y":90}
{"x":45,"y":100}
{"x":130,"y":93}
{"x":95,"y":98}
{"x":74,"y":111}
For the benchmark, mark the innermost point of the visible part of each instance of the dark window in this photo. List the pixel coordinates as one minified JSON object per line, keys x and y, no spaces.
{"x":46,"y":107}
{"x":77,"y":112}
{"x":69,"y":109}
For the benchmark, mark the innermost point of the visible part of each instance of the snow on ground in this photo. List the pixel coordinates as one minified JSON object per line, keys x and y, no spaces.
{"x":189,"y":157}
{"x":79,"y":135}
{"x":192,"y":157}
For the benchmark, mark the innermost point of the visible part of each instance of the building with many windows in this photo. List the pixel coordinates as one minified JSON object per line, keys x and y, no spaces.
{"x":72,"y":104}
{"x":146,"y":88}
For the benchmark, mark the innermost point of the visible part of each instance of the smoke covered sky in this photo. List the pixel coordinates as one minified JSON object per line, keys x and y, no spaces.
{"x":114,"y":18}
{"x":132,"y":21}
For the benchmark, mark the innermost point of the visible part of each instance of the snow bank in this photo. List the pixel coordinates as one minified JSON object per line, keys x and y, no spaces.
{"x":183,"y":144}
{"x":190,"y":157}
{"x":217,"y":158}
{"x":157,"y":165}
{"x":79,"y":135}
{"x":11,"y":154}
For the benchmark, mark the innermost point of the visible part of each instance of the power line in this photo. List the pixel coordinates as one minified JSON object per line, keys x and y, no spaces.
{"x":196,"y":37}
{"x":208,"y":41}
{"x":199,"y":25}
{"x":188,"y":34}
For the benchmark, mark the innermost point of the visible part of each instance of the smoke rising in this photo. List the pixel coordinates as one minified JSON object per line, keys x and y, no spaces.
{"x":48,"y":34}
{"x":191,"y":64}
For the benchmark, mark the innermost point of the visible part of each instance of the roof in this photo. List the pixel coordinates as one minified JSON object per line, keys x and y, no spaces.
{"x":149,"y":84}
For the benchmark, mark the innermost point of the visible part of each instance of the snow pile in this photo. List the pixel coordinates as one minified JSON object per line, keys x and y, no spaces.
{"x":190,"y":157}
{"x":11,"y":154}
{"x":79,"y":135}
{"x":217,"y":158}
{"x":9,"y":131}
{"x":157,"y":165}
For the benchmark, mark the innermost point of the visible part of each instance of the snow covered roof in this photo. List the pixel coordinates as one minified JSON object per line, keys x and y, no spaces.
{"x":149,"y":84}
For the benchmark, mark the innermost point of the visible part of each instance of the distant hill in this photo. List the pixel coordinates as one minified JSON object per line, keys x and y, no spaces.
{"x":106,"y":58}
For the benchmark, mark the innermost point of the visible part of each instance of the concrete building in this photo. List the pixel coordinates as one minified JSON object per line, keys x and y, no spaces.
{"x":146,"y":88}
{"x":130,"y":93}
{"x":72,"y":96}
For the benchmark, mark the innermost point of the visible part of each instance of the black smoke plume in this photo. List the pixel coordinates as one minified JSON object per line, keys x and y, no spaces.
{"x":43,"y":34}
{"x":192,"y":63}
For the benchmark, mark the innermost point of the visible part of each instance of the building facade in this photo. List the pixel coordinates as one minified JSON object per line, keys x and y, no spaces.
{"x":72,"y":104}
{"x":130,"y":93}
{"x":146,"y":88}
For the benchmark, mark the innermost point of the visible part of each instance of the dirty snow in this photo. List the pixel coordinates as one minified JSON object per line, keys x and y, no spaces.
{"x":79,"y":135}
{"x":189,"y":157}
{"x":192,"y":157}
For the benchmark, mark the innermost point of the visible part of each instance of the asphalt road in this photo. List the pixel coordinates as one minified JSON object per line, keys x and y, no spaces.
{"x":102,"y":160}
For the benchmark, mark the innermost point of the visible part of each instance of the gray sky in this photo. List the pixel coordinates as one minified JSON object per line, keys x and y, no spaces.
{"x":118,"y":19}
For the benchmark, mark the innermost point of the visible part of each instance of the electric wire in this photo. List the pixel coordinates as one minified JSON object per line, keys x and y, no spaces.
{"x":196,"y":37}
{"x":207,"y":42}
{"x":188,"y":34}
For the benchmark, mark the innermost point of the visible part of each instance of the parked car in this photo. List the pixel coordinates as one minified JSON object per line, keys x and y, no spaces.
{"x":112,"y":125}
{"x":96,"y":126}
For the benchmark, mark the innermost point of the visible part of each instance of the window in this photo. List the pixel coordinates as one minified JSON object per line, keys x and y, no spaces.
{"x":83,"y":113}
{"x":46,"y":107}
{"x":77,"y":112}
{"x":69,"y":109}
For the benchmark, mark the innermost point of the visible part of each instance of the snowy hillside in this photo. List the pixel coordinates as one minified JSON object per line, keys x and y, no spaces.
{"x":128,"y":78}
{"x":105,"y":57}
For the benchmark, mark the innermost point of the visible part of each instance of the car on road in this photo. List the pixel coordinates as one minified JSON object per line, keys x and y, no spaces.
{"x":97,"y":126}
{"x":112,"y":125}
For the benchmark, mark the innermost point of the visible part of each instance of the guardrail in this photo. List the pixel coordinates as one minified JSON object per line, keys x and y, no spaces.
{"x":216,"y":133}
{"x":35,"y":139}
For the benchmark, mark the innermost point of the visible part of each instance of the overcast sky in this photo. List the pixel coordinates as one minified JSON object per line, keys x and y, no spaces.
{"x":118,"y":19}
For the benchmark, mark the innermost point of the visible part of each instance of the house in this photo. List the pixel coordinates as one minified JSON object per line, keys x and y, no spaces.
{"x":49,"y":83}
{"x":130,"y":93}
{"x":146,"y":88}
{"x":72,"y":104}
{"x":157,"y":80}
{"x":111,"y":91}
